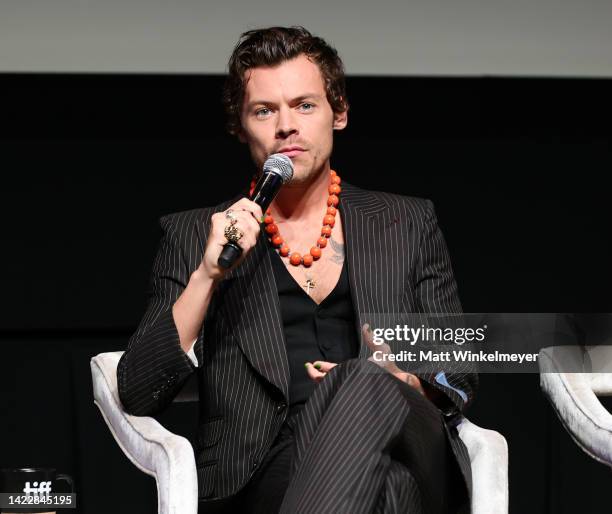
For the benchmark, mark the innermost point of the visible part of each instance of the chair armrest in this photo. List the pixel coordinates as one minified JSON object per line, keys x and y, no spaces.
{"x":488,"y":453}
{"x":167,"y":457}
{"x":574,"y":399}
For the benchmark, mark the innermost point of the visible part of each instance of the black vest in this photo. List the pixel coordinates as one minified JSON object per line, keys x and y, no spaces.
{"x":324,"y":332}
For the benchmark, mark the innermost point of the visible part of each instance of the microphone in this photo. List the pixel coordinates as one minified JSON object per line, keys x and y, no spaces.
{"x":277,"y":170}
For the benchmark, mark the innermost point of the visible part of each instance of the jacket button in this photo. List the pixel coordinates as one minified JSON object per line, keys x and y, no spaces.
{"x":281,"y":406}
{"x":255,"y":462}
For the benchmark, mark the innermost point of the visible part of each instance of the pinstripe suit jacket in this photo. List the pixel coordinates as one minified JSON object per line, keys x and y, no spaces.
{"x":397,"y":262}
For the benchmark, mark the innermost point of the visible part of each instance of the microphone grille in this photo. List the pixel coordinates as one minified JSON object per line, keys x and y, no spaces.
{"x":281,"y":165}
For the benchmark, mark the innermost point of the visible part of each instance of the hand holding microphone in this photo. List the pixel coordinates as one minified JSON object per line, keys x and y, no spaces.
{"x":244,"y":215}
{"x":277,"y":170}
{"x":234,"y":232}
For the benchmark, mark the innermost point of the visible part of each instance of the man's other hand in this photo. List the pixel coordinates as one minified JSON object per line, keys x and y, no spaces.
{"x":317,"y":370}
{"x":390,"y":366}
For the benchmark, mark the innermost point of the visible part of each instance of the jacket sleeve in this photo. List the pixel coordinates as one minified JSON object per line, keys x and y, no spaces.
{"x":154,"y":367}
{"x":436,"y":292}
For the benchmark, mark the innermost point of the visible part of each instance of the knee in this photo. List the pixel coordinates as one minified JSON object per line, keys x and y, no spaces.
{"x":358,"y":370}
{"x":359,"y":364}
{"x":367,"y":379}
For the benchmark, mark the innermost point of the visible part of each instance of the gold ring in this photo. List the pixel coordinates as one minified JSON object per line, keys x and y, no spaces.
{"x":233,"y":234}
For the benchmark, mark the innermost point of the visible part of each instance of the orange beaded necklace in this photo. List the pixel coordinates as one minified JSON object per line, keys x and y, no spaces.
{"x":328,"y":223}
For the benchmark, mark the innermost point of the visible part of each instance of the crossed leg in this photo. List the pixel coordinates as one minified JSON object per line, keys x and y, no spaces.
{"x":366,"y":442}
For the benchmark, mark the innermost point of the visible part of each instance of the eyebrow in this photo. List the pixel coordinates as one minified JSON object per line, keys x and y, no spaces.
{"x":297,"y":99}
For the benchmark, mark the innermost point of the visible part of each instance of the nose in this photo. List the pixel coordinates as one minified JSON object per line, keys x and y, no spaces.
{"x":286,"y":124}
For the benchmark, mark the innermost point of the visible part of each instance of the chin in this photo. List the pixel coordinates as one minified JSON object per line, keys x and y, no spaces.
{"x":298,"y":180}
{"x":304,"y":173}
{"x":302,"y":176}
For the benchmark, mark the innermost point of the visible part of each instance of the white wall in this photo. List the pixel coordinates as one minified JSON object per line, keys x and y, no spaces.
{"x":455,"y":37}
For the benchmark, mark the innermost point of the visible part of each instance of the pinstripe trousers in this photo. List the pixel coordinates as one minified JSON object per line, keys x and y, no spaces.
{"x":365,"y":442}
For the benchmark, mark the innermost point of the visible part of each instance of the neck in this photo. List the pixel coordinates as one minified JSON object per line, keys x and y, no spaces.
{"x":303,"y":200}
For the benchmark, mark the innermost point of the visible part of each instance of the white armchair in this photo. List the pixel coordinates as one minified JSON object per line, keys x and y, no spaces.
{"x":169,"y":458}
{"x":574,"y":395}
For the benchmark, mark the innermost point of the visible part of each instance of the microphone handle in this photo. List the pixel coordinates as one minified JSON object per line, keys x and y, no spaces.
{"x":231,"y":253}
{"x":266,"y":189}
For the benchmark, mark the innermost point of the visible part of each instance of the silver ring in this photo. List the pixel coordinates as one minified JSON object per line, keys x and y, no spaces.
{"x":229,"y":214}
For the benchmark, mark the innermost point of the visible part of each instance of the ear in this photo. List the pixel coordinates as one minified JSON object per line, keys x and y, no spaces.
{"x":240,"y":135}
{"x":340,"y":119}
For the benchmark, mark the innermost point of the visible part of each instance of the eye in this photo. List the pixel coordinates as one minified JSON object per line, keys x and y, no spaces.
{"x":263,"y":112}
{"x":306,"y":106}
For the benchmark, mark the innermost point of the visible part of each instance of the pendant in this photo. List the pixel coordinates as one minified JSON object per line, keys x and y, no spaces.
{"x":310,"y":284}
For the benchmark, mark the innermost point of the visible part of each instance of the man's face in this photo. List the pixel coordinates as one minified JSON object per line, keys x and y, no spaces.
{"x":285,"y":107}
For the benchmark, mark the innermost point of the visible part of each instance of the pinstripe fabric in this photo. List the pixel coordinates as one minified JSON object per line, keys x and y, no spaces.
{"x":397,"y":262}
{"x":366,"y":442}
{"x":400,"y":492}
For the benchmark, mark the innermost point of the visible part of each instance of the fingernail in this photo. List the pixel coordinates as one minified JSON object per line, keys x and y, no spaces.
{"x":317,"y":365}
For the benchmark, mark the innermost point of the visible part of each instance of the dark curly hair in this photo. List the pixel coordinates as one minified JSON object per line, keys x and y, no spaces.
{"x":272,"y":46}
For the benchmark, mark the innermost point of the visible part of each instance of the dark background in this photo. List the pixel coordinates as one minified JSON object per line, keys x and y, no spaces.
{"x":517,"y":168}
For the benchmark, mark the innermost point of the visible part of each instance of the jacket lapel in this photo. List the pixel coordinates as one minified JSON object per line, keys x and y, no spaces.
{"x":247,"y":300}
{"x":252,"y":311}
{"x":361,"y":213}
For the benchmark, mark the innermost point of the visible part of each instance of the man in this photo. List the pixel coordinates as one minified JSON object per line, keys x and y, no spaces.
{"x":291,"y":420}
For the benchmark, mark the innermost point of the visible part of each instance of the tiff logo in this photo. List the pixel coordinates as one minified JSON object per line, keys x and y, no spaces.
{"x":42,"y":488}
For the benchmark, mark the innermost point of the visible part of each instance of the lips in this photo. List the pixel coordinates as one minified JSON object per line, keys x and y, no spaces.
{"x":291,"y":151}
